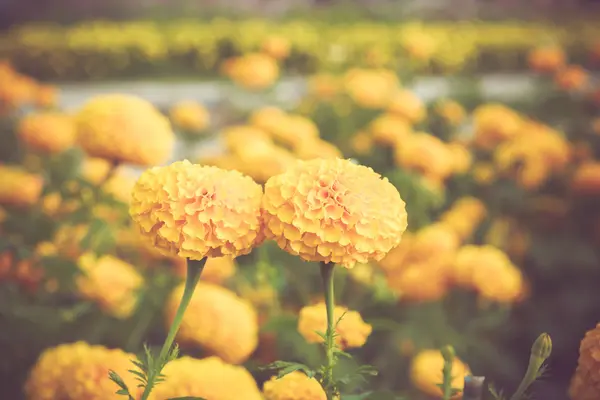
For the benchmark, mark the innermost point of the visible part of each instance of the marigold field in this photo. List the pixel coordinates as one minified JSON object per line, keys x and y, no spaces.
{"x":464,"y":230}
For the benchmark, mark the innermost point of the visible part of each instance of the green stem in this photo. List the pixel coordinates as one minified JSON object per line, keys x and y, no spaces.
{"x":194,"y":270}
{"x":530,"y":376}
{"x":327,"y":277}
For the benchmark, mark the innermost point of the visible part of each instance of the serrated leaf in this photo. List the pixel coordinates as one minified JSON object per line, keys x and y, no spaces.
{"x":285,"y":367}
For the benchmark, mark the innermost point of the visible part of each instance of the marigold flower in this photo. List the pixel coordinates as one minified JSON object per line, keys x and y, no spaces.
{"x":586,"y":180}
{"x":197,"y":211}
{"x":420,"y":281}
{"x":585,"y":384}
{"x":294,"y":386}
{"x":571,"y":77}
{"x":370,"y":88}
{"x":209,"y":378}
{"x":276,"y":46}
{"x":46,"y":96}
{"x":351,"y":330}
{"x":120,"y":185}
{"x":546,"y":58}
{"x":425,"y":154}
{"x":47,"y":132}
{"x":332,"y":210}
{"x":495,"y":123}
{"x":67,"y":239}
{"x":216,"y":270}
{"x":316,"y":148}
{"x":95,"y":170}
{"x":109,"y":282}
{"x":18,"y":187}
{"x":218,"y":321}
{"x":408,"y":105}
{"x":389,"y":129}
{"x":426,"y":373}
{"x":324,"y":86}
{"x":77,"y":371}
{"x":395,"y":258}
{"x":254,"y":71}
{"x":461,"y":158}
{"x":25,"y":272}
{"x":362,"y":143}
{"x":451,"y":111}
{"x":124,"y":128}
{"x":434,"y":240}
{"x":189,"y":116}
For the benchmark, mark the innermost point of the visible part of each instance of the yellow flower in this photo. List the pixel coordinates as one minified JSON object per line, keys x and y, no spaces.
{"x":461,"y":158}
{"x":95,"y":170}
{"x":77,"y":371}
{"x":218,"y":321}
{"x":389,"y":129}
{"x":324,"y":86}
{"x":254,"y":71}
{"x":426,"y":373}
{"x":362,"y":143}
{"x":196,"y":211}
{"x":332,"y":210}
{"x":571,"y":77}
{"x":419,"y":44}
{"x":494,"y":123}
{"x":277,"y":47}
{"x":407,"y":105}
{"x":395,"y":259}
{"x":420,"y":281}
{"x":124,"y":128}
{"x":67,"y":240}
{"x":109,"y":282}
{"x":484,"y":173}
{"x":426,"y":154}
{"x":46,"y":96}
{"x":18,"y":187}
{"x":267,"y":118}
{"x":586,"y":179}
{"x":209,"y":378}
{"x":370,"y":88}
{"x":585,"y":382}
{"x":47,"y":132}
{"x":451,"y":111}
{"x":351,"y":330}
{"x":189,"y":116}
{"x":25,"y":272}
{"x":434,"y":240}
{"x":120,"y":185}
{"x":464,"y":216}
{"x":294,"y":386}
{"x":316,"y":148}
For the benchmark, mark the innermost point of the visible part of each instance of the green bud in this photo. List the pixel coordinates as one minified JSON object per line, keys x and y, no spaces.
{"x":542,"y":347}
{"x":448,"y":353}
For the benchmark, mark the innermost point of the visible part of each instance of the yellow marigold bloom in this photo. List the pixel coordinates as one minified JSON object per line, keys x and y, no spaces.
{"x":408,"y":105}
{"x":494,"y":123}
{"x":218,"y":321}
{"x":324,"y":86}
{"x":461,"y":156}
{"x":277,"y":47}
{"x":426,"y":373}
{"x":571,"y":77}
{"x":267,"y":118}
{"x":332,"y":210}
{"x":77,"y":371}
{"x":425,"y":154}
{"x":370,"y":88}
{"x":420,"y":281}
{"x":209,"y":378}
{"x":451,"y":111}
{"x":47,"y":132}
{"x":109,"y":282}
{"x":124,"y":128}
{"x":351,"y":331}
{"x":546,"y":58}
{"x":189,"y":116}
{"x":436,"y":239}
{"x":95,"y":170}
{"x":120,"y":185}
{"x":51,"y":203}
{"x":216,"y":270}
{"x":396,"y":258}
{"x":484,"y":173}
{"x":254,"y":71}
{"x":389,"y":129}
{"x":362,"y":143}
{"x":419,"y":44}
{"x":197,"y":211}
{"x":586,"y":179}
{"x":294,"y":386}
{"x":67,"y":239}
{"x":18,"y":187}
{"x":585,"y":384}
{"x":240,"y":137}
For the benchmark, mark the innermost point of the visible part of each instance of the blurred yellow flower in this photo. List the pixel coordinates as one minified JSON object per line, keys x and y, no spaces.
{"x":189,"y":116}
{"x":47,"y":132}
{"x":419,"y":44}
{"x":389,"y":129}
{"x":324,"y":86}
{"x":46,"y":96}
{"x":370,"y":88}
{"x":451,"y":111}
{"x":254,"y":71}
{"x":494,"y":123}
{"x":586,"y":179}
{"x":426,"y":373}
{"x":546,"y":59}
{"x":124,"y":128}
{"x":425,"y":154}
{"x":362,"y":143}
{"x":293,"y":386}
{"x":571,"y":77}
{"x":351,"y":330}
{"x":218,"y":321}
{"x":420,"y":281}
{"x":408,"y":105}
{"x":208,"y":378}
{"x":396,"y":258}
{"x":216,"y":270}
{"x":461,"y":158}
{"x":77,"y":371}
{"x":67,"y":239}
{"x":110,"y":282}
{"x":197,"y":211}
{"x":95,"y":170}
{"x":332,"y":210}
{"x":584,"y":383}
{"x":18,"y":187}
{"x":277,"y":47}
{"x":309,"y":149}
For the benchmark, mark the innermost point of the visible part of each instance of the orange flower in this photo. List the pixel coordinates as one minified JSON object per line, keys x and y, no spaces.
{"x":585,"y":382}
{"x":426,"y":373}
{"x":46,"y":96}
{"x":218,"y":321}
{"x":254,"y":71}
{"x":351,"y":330}
{"x":190,"y":116}
{"x":19,"y":187}
{"x":546,"y":58}
{"x":294,"y":386}
{"x":276,"y":46}
{"x":124,"y":128}
{"x":420,"y":281}
{"x":571,"y":77}
{"x":48,"y":132}
{"x":196,"y":211}
{"x":495,"y":123}
{"x":408,"y":105}
{"x":586,"y":180}
{"x":332,"y":210}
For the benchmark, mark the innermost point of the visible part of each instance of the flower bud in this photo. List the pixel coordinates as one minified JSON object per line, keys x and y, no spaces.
{"x":542,"y":347}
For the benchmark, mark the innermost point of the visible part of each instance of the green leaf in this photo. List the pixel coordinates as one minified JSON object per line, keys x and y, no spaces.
{"x":285,"y":367}
{"x":124,"y":391}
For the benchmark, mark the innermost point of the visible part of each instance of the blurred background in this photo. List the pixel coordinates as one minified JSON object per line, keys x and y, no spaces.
{"x":485,"y":114}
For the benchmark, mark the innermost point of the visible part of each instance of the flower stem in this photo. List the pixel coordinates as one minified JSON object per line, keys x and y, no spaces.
{"x":194,"y":270}
{"x":327,"y":277}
